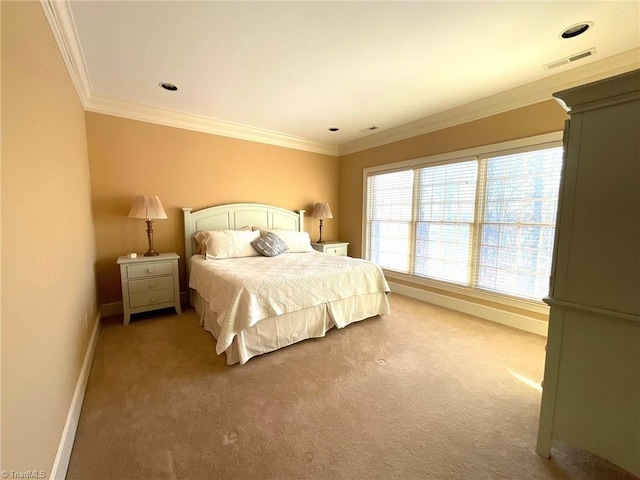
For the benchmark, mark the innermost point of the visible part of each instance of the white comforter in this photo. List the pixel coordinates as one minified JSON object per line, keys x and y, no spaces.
{"x":244,"y":291}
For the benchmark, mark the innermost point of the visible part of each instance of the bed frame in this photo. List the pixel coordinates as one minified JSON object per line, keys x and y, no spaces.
{"x":278,"y":331}
{"x":234,"y":216}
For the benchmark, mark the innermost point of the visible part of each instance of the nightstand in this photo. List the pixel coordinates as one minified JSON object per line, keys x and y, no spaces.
{"x":149,"y":283}
{"x":332,"y":248}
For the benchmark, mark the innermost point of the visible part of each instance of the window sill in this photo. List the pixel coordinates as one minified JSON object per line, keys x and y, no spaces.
{"x":530,"y":306}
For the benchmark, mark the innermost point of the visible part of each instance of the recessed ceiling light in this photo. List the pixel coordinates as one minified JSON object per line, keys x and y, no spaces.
{"x":334,"y":129}
{"x":169,"y":86}
{"x":575,"y":30}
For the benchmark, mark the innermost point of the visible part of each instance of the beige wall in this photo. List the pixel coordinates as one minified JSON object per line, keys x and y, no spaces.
{"x":189,"y":169}
{"x":524,"y":122}
{"x":186,"y":168}
{"x":48,"y":247}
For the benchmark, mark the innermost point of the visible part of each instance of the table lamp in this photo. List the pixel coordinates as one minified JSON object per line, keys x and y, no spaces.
{"x":148,"y":208}
{"x":321,"y":211}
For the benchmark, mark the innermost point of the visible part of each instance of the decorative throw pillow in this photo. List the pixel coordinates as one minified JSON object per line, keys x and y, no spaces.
{"x":298,"y":242}
{"x":269,"y":245}
{"x":230,"y":243}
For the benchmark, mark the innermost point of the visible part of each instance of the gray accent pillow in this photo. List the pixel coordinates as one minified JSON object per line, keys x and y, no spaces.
{"x":269,"y":245}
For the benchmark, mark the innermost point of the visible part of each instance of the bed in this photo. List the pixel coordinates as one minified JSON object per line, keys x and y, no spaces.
{"x":254,"y":304}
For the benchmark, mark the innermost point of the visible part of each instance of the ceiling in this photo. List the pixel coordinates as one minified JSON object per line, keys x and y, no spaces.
{"x":292,"y":70}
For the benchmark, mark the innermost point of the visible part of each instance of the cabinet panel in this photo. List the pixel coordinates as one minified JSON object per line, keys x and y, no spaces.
{"x":603,"y":268}
{"x":599,"y":386}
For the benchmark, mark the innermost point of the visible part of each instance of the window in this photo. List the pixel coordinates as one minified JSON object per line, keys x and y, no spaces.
{"x":518,"y":223}
{"x":444,"y":224}
{"x":389,"y":219}
{"x":484,"y":222}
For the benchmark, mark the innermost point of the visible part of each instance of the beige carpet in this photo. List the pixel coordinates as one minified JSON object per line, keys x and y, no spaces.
{"x":425,"y":393}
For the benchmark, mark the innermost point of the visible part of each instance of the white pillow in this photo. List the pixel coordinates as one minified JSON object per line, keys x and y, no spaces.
{"x":200,"y":237}
{"x":230,"y":243}
{"x":298,"y":242}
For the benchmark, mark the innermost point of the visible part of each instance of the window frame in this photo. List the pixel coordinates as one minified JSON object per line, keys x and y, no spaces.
{"x":549,"y":140}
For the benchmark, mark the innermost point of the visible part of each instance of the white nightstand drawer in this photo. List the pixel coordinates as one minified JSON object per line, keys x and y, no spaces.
{"x":332,"y":248}
{"x":149,"y":269}
{"x":151,"y":298}
{"x":342,"y":251}
{"x":150,"y":284}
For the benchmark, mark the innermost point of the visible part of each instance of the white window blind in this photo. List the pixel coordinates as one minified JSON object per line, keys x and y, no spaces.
{"x":517,"y":226}
{"x":446,"y":203}
{"x":483,"y":223}
{"x":389,"y":209}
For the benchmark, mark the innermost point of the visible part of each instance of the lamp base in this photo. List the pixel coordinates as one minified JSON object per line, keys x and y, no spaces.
{"x":151,"y":252}
{"x":320,"y":240}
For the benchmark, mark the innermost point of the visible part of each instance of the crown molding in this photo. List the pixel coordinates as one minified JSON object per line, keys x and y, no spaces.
{"x":60,"y":17}
{"x":198,"y":123}
{"x":64,"y":31}
{"x":522,"y":96}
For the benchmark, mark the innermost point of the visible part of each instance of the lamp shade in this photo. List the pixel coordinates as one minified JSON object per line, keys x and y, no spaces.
{"x":322,"y":210}
{"x":147,"y":207}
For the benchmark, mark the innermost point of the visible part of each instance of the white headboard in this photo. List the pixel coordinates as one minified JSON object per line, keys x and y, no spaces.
{"x":234,"y":216}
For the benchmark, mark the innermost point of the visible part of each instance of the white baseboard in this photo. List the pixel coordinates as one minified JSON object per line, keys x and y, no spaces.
{"x":109,"y":309}
{"x":61,"y":463}
{"x":521,"y":322}
{"x":115,"y":308}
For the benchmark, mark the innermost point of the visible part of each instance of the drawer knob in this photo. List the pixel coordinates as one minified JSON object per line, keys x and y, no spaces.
{"x":152,"y":285}
{"x":150,"y":270}
{"x":153,"y":300}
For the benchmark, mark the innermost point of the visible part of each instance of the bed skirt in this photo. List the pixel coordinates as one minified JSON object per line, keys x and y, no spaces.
{"x":277,"y":332}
